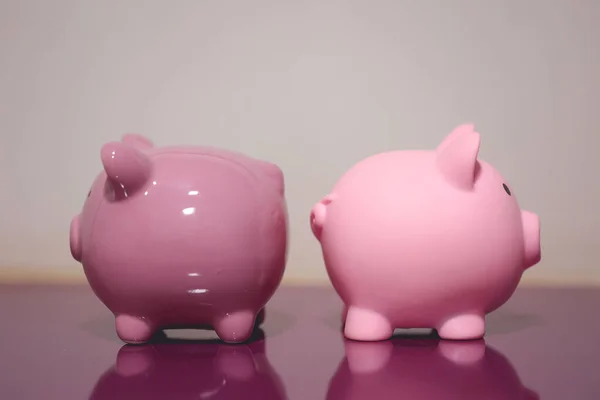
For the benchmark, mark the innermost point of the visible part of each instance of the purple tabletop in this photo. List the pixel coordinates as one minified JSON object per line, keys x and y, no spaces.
{"x":60,"y":343}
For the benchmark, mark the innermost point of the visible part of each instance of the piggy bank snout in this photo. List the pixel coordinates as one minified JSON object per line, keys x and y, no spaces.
{"x":75,"y":242}
{"x":317,"y":214}
{"x":531,"y":234}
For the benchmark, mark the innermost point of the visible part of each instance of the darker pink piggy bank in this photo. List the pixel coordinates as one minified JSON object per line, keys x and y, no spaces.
{"x":424,"y":239}
{"x":182,"y":237}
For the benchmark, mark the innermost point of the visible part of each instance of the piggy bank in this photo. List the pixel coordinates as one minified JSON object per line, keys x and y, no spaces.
{"x":182,"y":237}
{"x":426,"y":369}
{"x":180,"y":370}
{"x":424,"y":239}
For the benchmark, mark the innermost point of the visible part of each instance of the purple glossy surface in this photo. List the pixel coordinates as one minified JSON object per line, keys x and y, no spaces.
{"x":60,"y":343}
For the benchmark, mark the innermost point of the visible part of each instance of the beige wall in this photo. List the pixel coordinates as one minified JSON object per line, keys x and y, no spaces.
{"x":311,"y":85}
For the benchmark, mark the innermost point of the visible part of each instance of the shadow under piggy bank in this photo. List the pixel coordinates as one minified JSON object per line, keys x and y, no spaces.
{"x":183,"y":369}
{"x":425,"y":369}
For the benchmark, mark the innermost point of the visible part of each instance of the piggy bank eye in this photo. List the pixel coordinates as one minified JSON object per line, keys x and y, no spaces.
{"x":89,"y":193}
{"x":506,"y":189}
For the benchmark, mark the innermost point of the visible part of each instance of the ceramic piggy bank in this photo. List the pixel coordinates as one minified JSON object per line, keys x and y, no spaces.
{"x":424,"y":239}
{"x":182,"y":237}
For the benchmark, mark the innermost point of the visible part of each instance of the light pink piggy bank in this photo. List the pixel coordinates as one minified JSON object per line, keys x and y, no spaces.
{"x":424,"y":239}
{"x":182,"y":237}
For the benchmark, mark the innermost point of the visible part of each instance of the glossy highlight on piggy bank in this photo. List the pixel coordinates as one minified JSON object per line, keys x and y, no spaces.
{"x":424,"y":239}
{"x":174,"y":237}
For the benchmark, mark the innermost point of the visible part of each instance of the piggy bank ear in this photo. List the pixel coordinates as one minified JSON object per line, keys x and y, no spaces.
{"x":138,"y":141}
{"x":126,"y":167}
{"x":457,"y":132}
{"x":456,"y":156}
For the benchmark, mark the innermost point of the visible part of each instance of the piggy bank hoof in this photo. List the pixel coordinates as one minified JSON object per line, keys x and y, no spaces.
{"x":235,"y":327}
{"x":366,"y":325}
{"x":463,"y":327}
{"x":133,"y":330}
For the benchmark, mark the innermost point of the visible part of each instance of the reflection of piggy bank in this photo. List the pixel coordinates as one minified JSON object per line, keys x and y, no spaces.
{"x":425,"y":370}
{"x":182,"y":236}
{"x":190,"y":371}
{"x":424,"y":239}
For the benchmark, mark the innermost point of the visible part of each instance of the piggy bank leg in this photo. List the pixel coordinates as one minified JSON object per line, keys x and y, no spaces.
{"x":463,"y":327}
{"x":133,"y":329}
{"x":366,"y":325}
{"x":235,"y":327}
